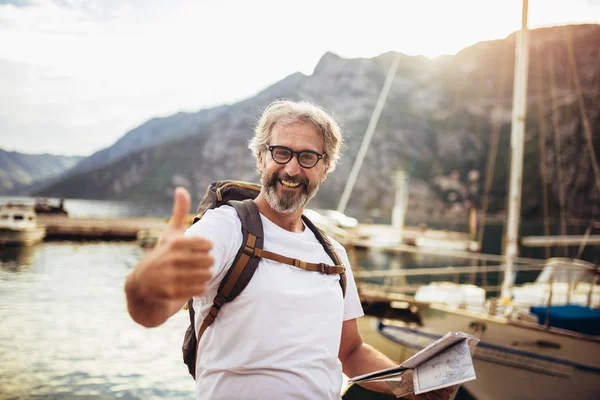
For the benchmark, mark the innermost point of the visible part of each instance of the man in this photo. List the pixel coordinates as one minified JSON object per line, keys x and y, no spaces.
{"x":290,"y":333}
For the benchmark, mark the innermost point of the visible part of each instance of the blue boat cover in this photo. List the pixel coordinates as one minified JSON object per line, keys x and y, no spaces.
{"x":571,"y":317}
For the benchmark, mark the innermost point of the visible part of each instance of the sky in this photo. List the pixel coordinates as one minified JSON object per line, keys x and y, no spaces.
{"x":76,"y":75}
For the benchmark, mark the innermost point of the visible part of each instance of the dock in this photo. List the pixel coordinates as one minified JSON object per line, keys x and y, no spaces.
{"x":98,"y":228}
{"x":370,"y":236}
{"x":560,"y":240}
{"x":385,"y":236}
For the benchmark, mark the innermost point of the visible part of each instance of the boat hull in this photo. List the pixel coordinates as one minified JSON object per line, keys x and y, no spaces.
{"x":22,"y":237}
{"x":512,"y":361}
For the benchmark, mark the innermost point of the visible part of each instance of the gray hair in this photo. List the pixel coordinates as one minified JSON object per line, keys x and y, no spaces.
{"x":287,"y":112}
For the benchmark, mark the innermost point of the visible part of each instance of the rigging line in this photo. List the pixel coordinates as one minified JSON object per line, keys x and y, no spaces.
{"x":496,"y":121}
{"x":542,"y":142}
{"x":584,"y":242}
{"x":557,"y":153}
{"x":493,"y":151}
{"x":369,"y":133}
{"x":478,"y":122}
{"x":586,"y":124}
{"x":480,"y":75}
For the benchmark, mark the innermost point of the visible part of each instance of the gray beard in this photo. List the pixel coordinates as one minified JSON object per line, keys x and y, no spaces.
{"x":286,"y":201}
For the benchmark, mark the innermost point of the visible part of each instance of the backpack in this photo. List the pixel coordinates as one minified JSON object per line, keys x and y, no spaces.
{"x":240,"y":195}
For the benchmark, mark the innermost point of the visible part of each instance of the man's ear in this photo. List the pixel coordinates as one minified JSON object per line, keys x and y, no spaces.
{"x":326,"y":166}
{"x":259,"y":162}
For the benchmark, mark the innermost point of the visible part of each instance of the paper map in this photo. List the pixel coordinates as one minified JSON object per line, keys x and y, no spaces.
{"x":451,"y":367}
{"x":445,"y":362}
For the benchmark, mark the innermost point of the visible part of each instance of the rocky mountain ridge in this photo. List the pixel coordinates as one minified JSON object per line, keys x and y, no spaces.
{"x":440,"y":121}
{"x":19,"y":171}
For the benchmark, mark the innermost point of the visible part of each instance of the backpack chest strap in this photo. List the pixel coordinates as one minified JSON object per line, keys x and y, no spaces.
{"x":320,"y":267}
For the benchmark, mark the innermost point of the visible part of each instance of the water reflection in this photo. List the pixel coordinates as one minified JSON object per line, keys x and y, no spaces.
{"x":17,"y":258}
{"x":66,"y":333}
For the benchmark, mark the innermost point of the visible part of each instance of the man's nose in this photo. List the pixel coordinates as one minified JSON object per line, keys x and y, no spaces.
{"x":293,"y":168}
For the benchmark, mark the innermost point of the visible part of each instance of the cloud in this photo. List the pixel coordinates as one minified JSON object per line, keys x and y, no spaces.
{"x":70,"y":84}
{"x":16,"y":3}
{"x":85,"y":71}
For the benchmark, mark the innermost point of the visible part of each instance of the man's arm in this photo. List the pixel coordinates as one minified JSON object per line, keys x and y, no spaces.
{"x":175,"y":270}
{"x":359,"y":358}
{"x":145,"y":307}
{"x":144,"y":311}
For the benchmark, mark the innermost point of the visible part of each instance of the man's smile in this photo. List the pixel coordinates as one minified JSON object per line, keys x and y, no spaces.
{"x":289,"y":184}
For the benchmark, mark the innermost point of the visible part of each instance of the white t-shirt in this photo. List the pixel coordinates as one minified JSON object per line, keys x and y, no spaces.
{"x":279,"y":339}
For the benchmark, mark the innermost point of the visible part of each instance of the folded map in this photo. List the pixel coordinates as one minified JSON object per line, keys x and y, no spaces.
{"x":445,"y":362}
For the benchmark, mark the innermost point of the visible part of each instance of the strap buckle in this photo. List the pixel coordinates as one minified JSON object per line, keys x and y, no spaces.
{"x":249,"y":250}
{"x":219,"y":300}
{"x":324,"y":268}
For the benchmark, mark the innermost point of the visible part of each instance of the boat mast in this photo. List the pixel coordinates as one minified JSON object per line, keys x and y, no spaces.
{"x":362,"y":151}
{"x":516,"y":144}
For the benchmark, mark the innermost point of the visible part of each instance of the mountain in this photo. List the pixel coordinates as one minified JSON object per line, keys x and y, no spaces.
{"x":439,"y":124}
{"x":149,"y":134}
{"x":18,"y":170}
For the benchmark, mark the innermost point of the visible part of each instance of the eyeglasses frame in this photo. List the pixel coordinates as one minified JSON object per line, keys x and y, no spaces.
{"x":297,"y":153}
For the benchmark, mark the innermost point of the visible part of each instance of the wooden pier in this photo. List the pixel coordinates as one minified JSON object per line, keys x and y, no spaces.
{"x":383,"y":237}
{"x":98,"y":228}
{"x":560,"y":240}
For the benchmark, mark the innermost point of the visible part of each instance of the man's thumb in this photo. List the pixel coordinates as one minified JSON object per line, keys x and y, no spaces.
{"x":181,"y":206}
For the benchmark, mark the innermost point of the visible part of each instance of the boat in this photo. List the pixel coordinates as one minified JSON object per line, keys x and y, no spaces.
{"x":148,"y":237}
{"x":386,"y":236}
{"x":548,"y":341}
{"x":515,"y":359}
{"x":43,"y":207}
{"x":19,"y":225}
{"x":562,"y":281}
{"x":539,"y":340}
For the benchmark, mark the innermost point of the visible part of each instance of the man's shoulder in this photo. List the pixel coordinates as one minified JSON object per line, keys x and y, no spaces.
{"x":336,"y":244}
{"x":224,"y":211}
{"x":341,"y":250}
{"x":223,"y":218}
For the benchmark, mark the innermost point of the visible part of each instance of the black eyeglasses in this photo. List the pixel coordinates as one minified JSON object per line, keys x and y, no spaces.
{"x":283,"y":155}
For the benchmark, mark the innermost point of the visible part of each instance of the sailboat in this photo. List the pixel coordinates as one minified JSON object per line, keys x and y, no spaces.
{"x":546,"y":352}
{"x":384,"y":237}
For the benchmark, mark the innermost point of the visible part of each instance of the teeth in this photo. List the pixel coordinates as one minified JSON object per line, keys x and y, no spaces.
{"x":289,"y":184}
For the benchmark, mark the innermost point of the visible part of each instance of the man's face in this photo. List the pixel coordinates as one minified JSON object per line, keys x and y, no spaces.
{"x":288,"y":187}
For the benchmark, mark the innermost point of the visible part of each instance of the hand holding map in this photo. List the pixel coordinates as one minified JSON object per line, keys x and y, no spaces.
{"x":445,"y":362}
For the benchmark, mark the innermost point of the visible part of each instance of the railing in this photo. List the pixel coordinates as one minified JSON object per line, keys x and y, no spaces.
{"x":396,"y":284}
{"x":456,"y":272}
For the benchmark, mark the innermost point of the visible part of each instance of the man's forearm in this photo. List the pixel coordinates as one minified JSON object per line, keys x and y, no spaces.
{"x":364,"y":359}
{"x":147,"y":312}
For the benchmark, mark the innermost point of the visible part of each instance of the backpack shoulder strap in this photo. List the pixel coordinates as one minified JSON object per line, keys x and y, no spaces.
{"x":329,"y":249}
{"x":244,"y":264}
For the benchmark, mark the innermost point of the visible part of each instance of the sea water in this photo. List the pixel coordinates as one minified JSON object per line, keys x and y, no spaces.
{"x":66,"y":334}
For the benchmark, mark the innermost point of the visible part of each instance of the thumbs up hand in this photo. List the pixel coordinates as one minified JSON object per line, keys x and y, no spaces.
{"x":181,"y":207}
{"x":175,"y":270}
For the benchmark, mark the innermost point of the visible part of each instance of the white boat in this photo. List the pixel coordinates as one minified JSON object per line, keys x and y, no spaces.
{"x":562,"y":281}
{"x":549,"y":351}
{"x":19,"y":226}
{"x":515,"y":359}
